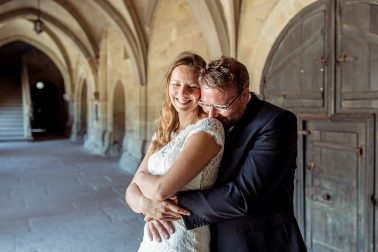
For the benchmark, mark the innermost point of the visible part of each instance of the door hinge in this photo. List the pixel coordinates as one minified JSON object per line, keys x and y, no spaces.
{"x":360,"y":151}
{"x":374,"y":199}
{"x":343,"y":57}
{"x":304,"y":132}
{"x":323,"y":60}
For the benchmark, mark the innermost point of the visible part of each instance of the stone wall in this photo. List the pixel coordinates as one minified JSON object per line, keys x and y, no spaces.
{"x":172,"y":29}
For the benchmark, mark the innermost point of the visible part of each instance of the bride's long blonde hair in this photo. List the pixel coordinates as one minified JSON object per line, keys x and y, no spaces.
{"x":168,"y":121}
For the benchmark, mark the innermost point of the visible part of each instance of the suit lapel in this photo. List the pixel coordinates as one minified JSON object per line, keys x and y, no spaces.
{"x":236,"y":138}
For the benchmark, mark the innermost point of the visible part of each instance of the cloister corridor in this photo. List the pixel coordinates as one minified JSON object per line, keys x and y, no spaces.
{"x":55,"y":197}
{"x":92,"y":74}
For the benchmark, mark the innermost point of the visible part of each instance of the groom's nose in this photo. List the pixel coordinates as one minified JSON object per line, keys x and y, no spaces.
{"x":212,"y":112}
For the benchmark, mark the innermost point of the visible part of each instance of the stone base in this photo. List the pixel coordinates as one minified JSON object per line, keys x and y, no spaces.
{"x":129,"y":163}
{"x":94,"y":148}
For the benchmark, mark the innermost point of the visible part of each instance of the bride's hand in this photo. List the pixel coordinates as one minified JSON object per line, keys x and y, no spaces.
{"x":157,"y":229}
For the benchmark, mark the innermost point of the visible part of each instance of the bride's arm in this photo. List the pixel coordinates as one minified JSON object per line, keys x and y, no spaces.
{"x":139,"y":203}
{"x":133,"y":196}
{"x":198,"y":151}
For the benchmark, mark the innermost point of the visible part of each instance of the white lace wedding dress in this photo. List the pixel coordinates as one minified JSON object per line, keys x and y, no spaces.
{"x":198,"y":239}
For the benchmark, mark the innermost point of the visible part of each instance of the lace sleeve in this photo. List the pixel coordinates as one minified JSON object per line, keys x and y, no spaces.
{"x":211,"y":126}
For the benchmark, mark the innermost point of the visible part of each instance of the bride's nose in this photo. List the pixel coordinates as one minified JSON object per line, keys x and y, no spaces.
{"x":183,"y":90}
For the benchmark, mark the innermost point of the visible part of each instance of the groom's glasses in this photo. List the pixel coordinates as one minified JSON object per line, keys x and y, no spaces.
{"x":217,"y":106}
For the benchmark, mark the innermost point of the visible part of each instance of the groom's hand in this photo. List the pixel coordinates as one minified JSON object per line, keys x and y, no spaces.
{"x":167,"y":210}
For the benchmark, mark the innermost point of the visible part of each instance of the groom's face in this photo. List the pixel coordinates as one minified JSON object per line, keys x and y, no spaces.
{"x":232,"y":102}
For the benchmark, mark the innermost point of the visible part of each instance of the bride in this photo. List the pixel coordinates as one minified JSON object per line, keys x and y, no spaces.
{"x":184,"y":154}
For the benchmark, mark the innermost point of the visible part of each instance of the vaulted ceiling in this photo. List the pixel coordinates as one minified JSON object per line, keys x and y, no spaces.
{"x":78,"y":25}
{"x":74,"y":27}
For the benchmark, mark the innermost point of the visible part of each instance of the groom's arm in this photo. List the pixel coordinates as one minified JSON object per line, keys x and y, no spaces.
{"x":266,"y":164}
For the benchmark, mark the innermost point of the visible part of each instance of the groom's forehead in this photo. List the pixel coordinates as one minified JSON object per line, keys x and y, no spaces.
{"x":205,"y":90}
{"x":214,"y":95}
{"x":211,"y":91}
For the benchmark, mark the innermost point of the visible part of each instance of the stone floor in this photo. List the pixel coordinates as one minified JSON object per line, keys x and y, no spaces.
{"x":56,"y":197}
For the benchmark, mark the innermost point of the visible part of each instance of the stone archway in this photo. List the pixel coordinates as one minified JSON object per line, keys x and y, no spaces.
{"x":83,"y":113}
{"x":280,"y":15}
{"x":43,"y":106}
{"x":118,"y":131}
{"x":45,"y":99}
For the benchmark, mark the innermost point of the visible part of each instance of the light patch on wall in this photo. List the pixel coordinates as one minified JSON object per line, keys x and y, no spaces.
{"x":125,"y":55}
{"x":174,"y":34}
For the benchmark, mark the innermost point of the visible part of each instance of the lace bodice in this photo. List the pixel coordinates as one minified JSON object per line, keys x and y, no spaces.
{"x":158,"y":164}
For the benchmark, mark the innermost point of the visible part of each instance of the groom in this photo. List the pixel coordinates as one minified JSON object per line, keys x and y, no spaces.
{"x":251,"y":206}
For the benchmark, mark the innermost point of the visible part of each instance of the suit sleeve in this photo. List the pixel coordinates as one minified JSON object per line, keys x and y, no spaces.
{"x":269,"y":156}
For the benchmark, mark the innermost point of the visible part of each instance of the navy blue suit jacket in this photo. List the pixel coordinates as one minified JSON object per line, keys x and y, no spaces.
{"x":251,"y":206}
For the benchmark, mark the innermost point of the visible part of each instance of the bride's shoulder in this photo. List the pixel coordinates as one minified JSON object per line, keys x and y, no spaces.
{"x":210,"y":123}
{"x":211,"y":126}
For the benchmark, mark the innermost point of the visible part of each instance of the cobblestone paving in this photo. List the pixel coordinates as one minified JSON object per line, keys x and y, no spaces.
{"x":55,"y":197}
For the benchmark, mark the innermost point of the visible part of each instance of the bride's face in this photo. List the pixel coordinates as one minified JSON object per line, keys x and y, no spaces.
{"x":184,"y":89}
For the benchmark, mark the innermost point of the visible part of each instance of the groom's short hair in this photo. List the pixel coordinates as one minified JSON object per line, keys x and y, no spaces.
{"x":225,"y":73}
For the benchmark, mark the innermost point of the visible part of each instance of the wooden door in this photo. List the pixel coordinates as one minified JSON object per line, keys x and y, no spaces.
{"x":339,"y":183}
{"x":324,"y":67}
{"x":298,"y":71}
{"x":357,"y":55}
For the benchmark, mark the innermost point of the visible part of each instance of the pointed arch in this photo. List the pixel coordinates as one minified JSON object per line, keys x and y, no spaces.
{"x":213,"y":26}
{"x":77,"y":17}
{"x":82,"y":110}
{"x":268,"y":35}
{"x":116,"y":131}
{"x":136,"y":45}
{"x":37,"y":44}
{"x":83,"y":24}
{"x":81,"y":80}
{"x":88,"y":52}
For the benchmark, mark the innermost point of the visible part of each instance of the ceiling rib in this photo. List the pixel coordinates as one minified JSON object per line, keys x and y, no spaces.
{"x":88,"y":53}
{"x":81,"y":21}
{"x":133,"y":44}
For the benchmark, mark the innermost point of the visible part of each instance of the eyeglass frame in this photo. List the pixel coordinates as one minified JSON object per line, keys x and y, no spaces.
{"x":217,"y":106}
